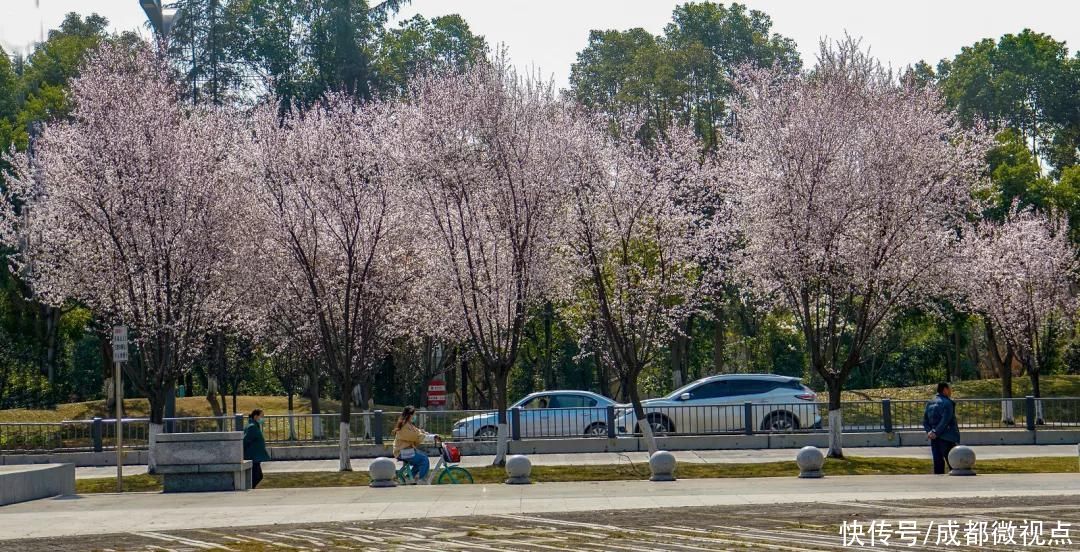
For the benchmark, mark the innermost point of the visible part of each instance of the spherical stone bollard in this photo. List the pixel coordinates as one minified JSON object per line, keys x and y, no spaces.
{"x":810,"y":461}
{"x":662,"y":466}
{"x":382,"y":471}
{"x":962,"y":460}
{"x":518,"y":469}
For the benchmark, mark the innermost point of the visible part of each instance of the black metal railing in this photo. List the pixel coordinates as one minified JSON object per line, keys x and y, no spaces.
{"x":749,"y":418}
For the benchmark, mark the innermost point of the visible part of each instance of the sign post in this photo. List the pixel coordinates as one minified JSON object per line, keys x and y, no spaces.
{"x":436,"y":394}
{"x":120,"y":354}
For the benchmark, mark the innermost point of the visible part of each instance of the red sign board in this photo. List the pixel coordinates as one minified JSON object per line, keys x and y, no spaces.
{"x":436,"y":393}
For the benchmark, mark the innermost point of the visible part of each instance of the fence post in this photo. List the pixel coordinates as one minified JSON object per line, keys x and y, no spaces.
{"x":1029,"y":412}
{"x":748,"y":417}
{"x":376,"y":432}
{"x":611,"y":421}
{"x":886,"y":415}
{"x":95,"y":433}
{"x":239,"y":422}
{"x":515,"y":423}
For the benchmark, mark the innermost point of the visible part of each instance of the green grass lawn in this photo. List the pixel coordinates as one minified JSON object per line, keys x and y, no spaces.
{"x":1051,"y":386}
{"x":545,"y":474}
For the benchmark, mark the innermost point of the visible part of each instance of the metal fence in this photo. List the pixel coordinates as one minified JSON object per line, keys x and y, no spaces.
{"x":72,"y":435}
{"x":376,"y":427}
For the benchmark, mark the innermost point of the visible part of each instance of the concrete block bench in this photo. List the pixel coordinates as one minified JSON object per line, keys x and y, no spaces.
{"x":202,"y":462}
{"x":31,"y":482}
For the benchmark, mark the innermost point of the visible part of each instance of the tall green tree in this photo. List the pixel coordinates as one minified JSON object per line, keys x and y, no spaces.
{"x":419,"y":44}
{"x":683,"y":74}
{"x":1023,"y":81}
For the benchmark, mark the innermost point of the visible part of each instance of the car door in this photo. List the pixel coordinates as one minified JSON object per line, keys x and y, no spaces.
{"x":740,"y":392}
{"x":703,"y":411}
{"x":532,"y":418}
{"x":571,"y":414}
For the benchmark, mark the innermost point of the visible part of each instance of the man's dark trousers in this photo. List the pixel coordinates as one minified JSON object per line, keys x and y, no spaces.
{"x":940,"y":449}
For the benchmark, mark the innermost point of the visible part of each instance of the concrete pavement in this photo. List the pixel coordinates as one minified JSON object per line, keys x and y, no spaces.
{"x":615,"y":458}
{"x":112,"y":513}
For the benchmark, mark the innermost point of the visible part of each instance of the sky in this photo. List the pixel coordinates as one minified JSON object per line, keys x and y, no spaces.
{"x":546,"y":36}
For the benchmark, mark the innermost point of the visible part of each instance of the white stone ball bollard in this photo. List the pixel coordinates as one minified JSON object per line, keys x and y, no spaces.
{"x":382,"y":472}
{"x":518,"y":469}
{"x":962,"y":460}
{"x":810,"y":461}
{"x":662,"y":466}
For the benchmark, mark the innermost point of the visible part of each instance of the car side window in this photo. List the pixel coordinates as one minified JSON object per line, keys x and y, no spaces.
{"x":711,"y":390}
{"x":572,"y":401}
{"x":752,"y":387}
{"x":537,"y":402}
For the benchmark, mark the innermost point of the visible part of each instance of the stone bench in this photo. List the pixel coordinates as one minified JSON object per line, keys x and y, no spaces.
{"x":201,"y":462}
{"x":22,"y":483}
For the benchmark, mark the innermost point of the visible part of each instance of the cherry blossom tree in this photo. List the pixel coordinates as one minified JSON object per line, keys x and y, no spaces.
{"x":1019,"y":276}
{"x":850,"y":186}
{"x":638,"y":246}
{"x":329,"y":199}
{"x":133,"y":208}
{"x":489,"y":164}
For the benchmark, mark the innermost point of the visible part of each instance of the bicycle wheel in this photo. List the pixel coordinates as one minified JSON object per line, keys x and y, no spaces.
{"x":403,"y":475}
{"x":453,"y":475}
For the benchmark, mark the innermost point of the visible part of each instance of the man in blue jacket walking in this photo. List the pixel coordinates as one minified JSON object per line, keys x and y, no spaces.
{"x":939,"y":421}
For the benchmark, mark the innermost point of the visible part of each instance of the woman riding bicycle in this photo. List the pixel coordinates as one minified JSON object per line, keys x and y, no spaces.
{"x":407,"y":439}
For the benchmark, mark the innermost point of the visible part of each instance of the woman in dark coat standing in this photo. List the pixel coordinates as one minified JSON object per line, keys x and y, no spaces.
{"x":255,"y":446}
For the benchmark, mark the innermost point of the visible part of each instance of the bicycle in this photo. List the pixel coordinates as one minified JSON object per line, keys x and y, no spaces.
{"x":447,"y":469}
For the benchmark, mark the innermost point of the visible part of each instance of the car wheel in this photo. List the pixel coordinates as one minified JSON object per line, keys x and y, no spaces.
{"x":596,"y":430}
{"x":780,"y":421}
{"x":487,"y":433}
{"x":660,"y":424}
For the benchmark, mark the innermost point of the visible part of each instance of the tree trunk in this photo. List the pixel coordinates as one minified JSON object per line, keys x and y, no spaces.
{"x":836,"y":419}
{"x":107,"y":369}
{"x":501,"y":404}
{"x":1003,"y":368}
{"x":719,"y":339}
{"x":680,"y":352}
{"x":549,"y":376}
{"x":344,"y":461}
{"x":156,"y":398}
{"x":292,"y":421}
{"x":639,"y":414}
{"x":313,"y":392}
{"x":464,"y":386}
{"x":956,"y":374}
{"x":211,"y":395}
{"x":1033,"y":373}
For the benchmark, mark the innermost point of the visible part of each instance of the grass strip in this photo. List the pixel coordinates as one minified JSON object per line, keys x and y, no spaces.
{"x":853,"y":465}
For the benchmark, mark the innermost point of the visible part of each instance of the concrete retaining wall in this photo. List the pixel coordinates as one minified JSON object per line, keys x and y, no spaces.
{"x":79,"y":459}
{"x":620,"y":444}
{"x":19,"y":484}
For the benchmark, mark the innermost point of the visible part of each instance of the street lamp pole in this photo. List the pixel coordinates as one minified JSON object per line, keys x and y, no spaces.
{"x":161,"y":18}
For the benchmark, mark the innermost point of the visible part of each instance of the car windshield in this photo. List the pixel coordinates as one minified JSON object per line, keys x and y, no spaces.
{"x":684,"y":389}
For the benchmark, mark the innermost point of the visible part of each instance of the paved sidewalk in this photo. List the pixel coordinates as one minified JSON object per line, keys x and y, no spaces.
{"x":608,"y":458}
{"x":112,"y":513}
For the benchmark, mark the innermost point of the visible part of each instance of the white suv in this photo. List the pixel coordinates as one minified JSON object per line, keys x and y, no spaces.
{"x":717,"y":404}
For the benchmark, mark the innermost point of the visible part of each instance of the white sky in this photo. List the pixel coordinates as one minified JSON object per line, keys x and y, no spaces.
{"x":548,"y":34}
